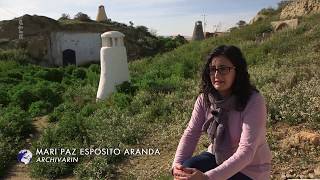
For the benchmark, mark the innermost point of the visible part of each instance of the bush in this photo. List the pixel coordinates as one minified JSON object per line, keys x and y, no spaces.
{"x":79,"y":73}
{"x":39,"y":108}
{"x":80,"y":95}
{"x":69,"y":69}
{"x":18,"y":55}
{"x":4,"y":98}
{"x":126,"y":88}
{"x":121,"y":100}
{"x":24,"y":97}
{"x":97,"y":168}
{"x":50,"y":139}
{"x":14,"y":122}
{"x":94,"y":68}
{"x":58,"y":112}
{"x":44,"y":92}
{"x":82,"y":17}
{"x":15,"y":75}
{"x":64,"y":16}
{"x":88,"y":110}
{"x":7,"y":152}
{"x":55,"y":75}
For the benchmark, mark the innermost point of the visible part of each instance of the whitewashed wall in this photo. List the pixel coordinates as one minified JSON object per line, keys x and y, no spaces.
{"x":86,"y":46}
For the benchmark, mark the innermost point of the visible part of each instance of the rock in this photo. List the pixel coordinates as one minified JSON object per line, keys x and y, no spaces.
{"x":299,"y":138}
{"x":306,"y":172}
{"x":311,"y":175}
{"x":290,"y":171}
{"x":302,"y":176}
{"x":300,"y":8}
{"x":317,"y":171}
{"x":312,"y":138}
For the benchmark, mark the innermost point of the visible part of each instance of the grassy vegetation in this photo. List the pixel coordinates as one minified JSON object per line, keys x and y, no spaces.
{"x":284,"y":67}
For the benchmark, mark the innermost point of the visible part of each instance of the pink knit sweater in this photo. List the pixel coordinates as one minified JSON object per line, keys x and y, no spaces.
{"x":250,"y":153}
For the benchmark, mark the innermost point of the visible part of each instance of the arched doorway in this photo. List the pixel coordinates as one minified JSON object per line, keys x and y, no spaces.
{"x":282,"y":26}
{"x":68,"y":57}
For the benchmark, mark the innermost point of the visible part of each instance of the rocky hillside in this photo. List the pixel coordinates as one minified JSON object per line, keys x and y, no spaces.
{"x":37,"y":29}
{"x":300,"y":8}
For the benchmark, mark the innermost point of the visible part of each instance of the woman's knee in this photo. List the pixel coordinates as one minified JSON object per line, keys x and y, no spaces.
{"x":203,"y":162}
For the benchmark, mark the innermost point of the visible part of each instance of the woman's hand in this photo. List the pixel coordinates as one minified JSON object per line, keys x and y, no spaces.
{"x":178,"y":171}
{"x":182,"y":173}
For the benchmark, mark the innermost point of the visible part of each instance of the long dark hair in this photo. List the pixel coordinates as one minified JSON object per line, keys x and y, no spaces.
{"x":241,"y":87}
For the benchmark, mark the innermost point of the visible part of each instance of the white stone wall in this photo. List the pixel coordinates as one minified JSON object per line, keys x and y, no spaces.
{"x":86,"y":46}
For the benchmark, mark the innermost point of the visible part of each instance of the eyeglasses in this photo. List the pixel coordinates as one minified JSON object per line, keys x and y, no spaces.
{"x":221,"y":70}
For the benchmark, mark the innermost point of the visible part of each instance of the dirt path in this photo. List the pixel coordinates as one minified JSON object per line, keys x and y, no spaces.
{"x":21,"y":171}
{"x":295,"y":149}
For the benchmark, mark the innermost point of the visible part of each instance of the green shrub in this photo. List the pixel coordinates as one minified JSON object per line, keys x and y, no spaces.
{"x":121,"y":100}
{"x":93,"y":78}
{"x":80,"y":95}
{"x":140,"y":100}
{"x":58,"y":112}
{"x":54,"y":74}
{"x":44,"y":92}
{"x":50,"y":139}
{"x":69,"y":69}
{"x":96,"y":168}
{"x":17,"y":55}
{"x":88,"y":110}
{"x":15,"y":75}
{"x":94,"y":68}
{"x":7,"y":153}
{"x":163,"y":85}
{"x":14,"y":122}
{"x":9,"y":80}
{"x":39,"y":108}
{"x":24,"y":97}
{"x":79,"y":73}
{"x":4,"y":98}
{"x":126,"y":88}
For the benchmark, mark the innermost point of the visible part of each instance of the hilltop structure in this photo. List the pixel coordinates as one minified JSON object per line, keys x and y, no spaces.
{"x":198,"y":34}
{"x":101,"y":16}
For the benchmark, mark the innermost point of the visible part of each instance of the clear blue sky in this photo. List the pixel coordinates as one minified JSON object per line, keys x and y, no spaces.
{"x":165,"y":17}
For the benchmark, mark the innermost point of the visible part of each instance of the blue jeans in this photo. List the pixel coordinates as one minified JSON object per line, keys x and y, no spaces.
{"x":206,"y":161}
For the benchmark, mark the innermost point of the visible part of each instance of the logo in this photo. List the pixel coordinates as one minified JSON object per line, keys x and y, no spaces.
{"x":24,"y":156}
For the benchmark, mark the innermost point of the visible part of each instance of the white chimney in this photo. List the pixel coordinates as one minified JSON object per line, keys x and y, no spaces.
{"x":114,"y":64}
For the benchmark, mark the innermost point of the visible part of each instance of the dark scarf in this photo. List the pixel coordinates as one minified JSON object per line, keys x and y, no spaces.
{"x":217,"y":124}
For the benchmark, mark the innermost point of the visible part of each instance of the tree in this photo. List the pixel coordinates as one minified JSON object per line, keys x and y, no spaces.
{"x":142,"y":29}
{"x":64,"y":16}
{"x":267,"y":11}
{"x":241,"y":23}
{"x":180,"y":39}
{"x":153,"y":32}
{"x":82,"y":17}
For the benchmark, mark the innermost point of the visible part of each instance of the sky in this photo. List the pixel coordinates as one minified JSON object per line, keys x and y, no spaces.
{"x":163,"y":17}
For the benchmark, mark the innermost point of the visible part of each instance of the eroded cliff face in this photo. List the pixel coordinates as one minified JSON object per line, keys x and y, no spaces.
{"x":300,"y":8}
